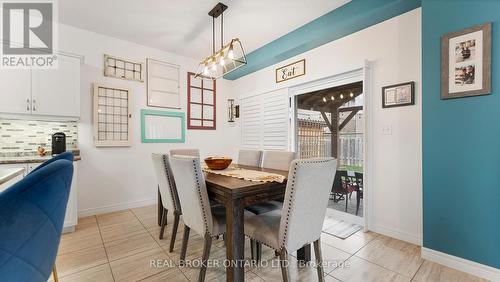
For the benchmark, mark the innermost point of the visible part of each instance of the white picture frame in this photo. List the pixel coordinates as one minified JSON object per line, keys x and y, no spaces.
{"x":163,"y":84}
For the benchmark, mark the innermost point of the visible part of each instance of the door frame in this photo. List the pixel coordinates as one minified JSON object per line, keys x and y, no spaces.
{"x":360,"y":73}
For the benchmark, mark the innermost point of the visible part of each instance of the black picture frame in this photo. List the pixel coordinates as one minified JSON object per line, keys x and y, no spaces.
{"x":397,"y":101}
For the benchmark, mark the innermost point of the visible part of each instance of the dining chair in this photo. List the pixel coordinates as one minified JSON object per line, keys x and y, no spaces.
{"x":249,"y":157}
{"x":185,"y":152}
{"x":32,"y":214}
{"x":168,"y":192}
{"x":63,"y":156}
{"x":359,"y":192}
{"x":300,"y":221}
{"x":279,"y":160}
{"x":208,"y":222}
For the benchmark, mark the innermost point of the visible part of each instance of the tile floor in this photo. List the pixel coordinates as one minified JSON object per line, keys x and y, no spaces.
{"x":120,"y":246}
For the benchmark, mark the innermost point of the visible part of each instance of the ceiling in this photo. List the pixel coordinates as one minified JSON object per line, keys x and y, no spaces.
{"x":184,"y":27}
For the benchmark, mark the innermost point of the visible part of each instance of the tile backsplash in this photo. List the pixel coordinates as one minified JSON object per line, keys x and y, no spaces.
{"x":25,"y":136}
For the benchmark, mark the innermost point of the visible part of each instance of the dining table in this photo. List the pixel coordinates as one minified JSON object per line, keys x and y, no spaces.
{"x":236,"y":194}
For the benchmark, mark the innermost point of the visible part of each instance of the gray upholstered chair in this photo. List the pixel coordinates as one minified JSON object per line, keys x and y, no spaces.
{"x":208,"y":222}
{"x":249,"y":157}
{"x":279,"y":160}
{"x":301,"y":219}
{"x":185,"y":152}
{"x":168,"y":192}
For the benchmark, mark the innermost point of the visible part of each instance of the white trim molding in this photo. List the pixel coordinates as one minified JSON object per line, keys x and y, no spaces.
{"x":471,"y":267}
{"x":117,"y":207}
{"x":397,"y":234}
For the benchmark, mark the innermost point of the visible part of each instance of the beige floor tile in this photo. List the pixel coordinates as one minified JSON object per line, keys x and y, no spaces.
{"x":115,"y":217}
{"x":146,"y":211}
{"x":431,"y":272}
{"x":73,"y":262}
{"x":351,"y":244}
{"x":329,"y":278}
{"x":129,"y":246}
{"x":173,"y":275}
{"x":141,"y":265}
{"x":87,"y":219}
{"x":100,"y":273}
{"x":86,"y":235}
{"x":356,"y":269}
{"x":122,"y":230}
{"x":270,"y":270}
{"x":401,"y":257}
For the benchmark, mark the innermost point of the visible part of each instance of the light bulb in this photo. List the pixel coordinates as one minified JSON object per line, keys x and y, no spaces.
{"x":230,"y":54}
{"x":324,"y":99}
{"x":341,"y":96}
{"x":333,"y":98}
{"x":352,"y":94}
{"x":214,"y":65}
{"x":205,"y":70}
{"x":221,"y":62}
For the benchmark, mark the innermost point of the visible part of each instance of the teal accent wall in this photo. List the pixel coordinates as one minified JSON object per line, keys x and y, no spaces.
{"x":461,"y":143}
{"x":350,"y":18}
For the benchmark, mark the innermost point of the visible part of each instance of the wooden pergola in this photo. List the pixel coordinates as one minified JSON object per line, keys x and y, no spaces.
{"x":331,"y":101}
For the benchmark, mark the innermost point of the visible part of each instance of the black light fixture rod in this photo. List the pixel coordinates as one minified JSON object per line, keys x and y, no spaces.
{"x":221,"y":30}
{"x":213,"y":35}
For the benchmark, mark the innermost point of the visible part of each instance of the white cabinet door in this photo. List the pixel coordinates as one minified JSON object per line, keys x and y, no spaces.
{"x":57,"y":92}
{"x":15,"y":96}
{"x":15,"y":179}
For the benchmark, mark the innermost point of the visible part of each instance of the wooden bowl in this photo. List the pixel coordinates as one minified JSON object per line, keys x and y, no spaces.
{"x":218,"y":163}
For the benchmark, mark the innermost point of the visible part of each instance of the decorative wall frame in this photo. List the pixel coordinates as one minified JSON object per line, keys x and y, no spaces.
{"x":201,"y":104}
{"x":291,"y":71}
{"x":123,"y":69}
{"x":163,"y":84}
{"x":162,"y":127}
{"x":466,"y":62}
{"x":112,"y":116}
{"x":398,"y":95}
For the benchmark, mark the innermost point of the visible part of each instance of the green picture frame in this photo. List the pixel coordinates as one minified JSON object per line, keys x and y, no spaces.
{"x":168,"y":118}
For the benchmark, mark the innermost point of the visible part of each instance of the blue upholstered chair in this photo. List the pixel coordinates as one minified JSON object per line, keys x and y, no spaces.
{"x":64,"y":156}
{"x":31,"y":220}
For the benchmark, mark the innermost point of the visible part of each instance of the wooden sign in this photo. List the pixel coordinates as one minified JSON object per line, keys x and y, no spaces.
{"x":290,"y":71}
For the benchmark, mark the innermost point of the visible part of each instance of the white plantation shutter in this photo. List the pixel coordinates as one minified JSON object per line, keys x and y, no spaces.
{"x":265,"y":121}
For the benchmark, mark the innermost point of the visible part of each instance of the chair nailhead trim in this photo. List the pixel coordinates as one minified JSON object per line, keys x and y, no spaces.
{"x":171,"y":183}
{"x":200,"y":197}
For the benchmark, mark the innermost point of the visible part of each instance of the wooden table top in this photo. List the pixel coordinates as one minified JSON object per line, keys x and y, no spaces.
{"x":233,"y":184}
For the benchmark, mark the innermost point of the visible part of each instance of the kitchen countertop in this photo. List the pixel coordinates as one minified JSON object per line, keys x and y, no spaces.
{"x":33,"y":158}
{"x":7,"y":174}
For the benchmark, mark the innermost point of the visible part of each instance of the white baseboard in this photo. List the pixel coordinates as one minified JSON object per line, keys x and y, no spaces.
{"x":116,"y":207}
{"x":397,"y":234}
{"x":471,"y":267}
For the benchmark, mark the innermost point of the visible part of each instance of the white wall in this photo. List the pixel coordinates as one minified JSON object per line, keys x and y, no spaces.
{"x":117,"y":178}
{"x":394,"y":48}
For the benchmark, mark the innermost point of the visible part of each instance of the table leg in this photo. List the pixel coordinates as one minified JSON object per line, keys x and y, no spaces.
{"x":235,"y":241}
{"x":304,"y":253}
{"x":160,"y":207}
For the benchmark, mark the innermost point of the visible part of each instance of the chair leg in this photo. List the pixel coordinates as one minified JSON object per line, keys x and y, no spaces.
{"x":255,"y":250}
{"x":184,"y":244}
{"x":163,"y":222}
{"x":54,"y":273}
{"x":358,"y":198}
{"x":206,"y":253}
{"x":284,"y":265}
{"x":319,"y":260}
{"x":252,"y":249}
{"x":346,"y":202}
{"x":174,"y":230}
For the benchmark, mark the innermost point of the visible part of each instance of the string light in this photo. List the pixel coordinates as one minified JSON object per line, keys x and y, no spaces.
{"x":352,"y":94}
{"x":341,"y":96}
{"x":324,"y":99}
{"x":332,"y":98}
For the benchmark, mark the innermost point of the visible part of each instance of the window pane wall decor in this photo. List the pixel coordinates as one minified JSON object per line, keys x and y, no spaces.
{"x":201,"y":103}
{"x":111,"y":116}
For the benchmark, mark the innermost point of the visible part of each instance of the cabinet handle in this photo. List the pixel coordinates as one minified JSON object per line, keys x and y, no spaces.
{"x":34,"y":105}
{"x":28,"y":104}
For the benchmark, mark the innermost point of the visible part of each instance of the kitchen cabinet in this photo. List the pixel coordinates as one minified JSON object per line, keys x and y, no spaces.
{"x":43,"y":92}
{"x":71,"y":217}
{"x":15,"y":96}
{"x":57,"y":92}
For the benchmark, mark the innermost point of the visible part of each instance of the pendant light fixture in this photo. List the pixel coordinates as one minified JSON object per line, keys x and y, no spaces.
{"x":228,"y":58}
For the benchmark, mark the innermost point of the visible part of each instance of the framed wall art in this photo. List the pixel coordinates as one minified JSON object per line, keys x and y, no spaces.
{"x":112,"y":116}
{"x":398,"y":95}
{"x":201,"y":106}
{"x":162,"y":127}
{"x":163,"y":87}
{"x":123,"y":68}
{"x":466,"y":62}
{"x":291,"y":71}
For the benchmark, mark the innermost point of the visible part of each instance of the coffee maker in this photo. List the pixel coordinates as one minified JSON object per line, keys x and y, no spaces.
{"x":58,"y":143}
